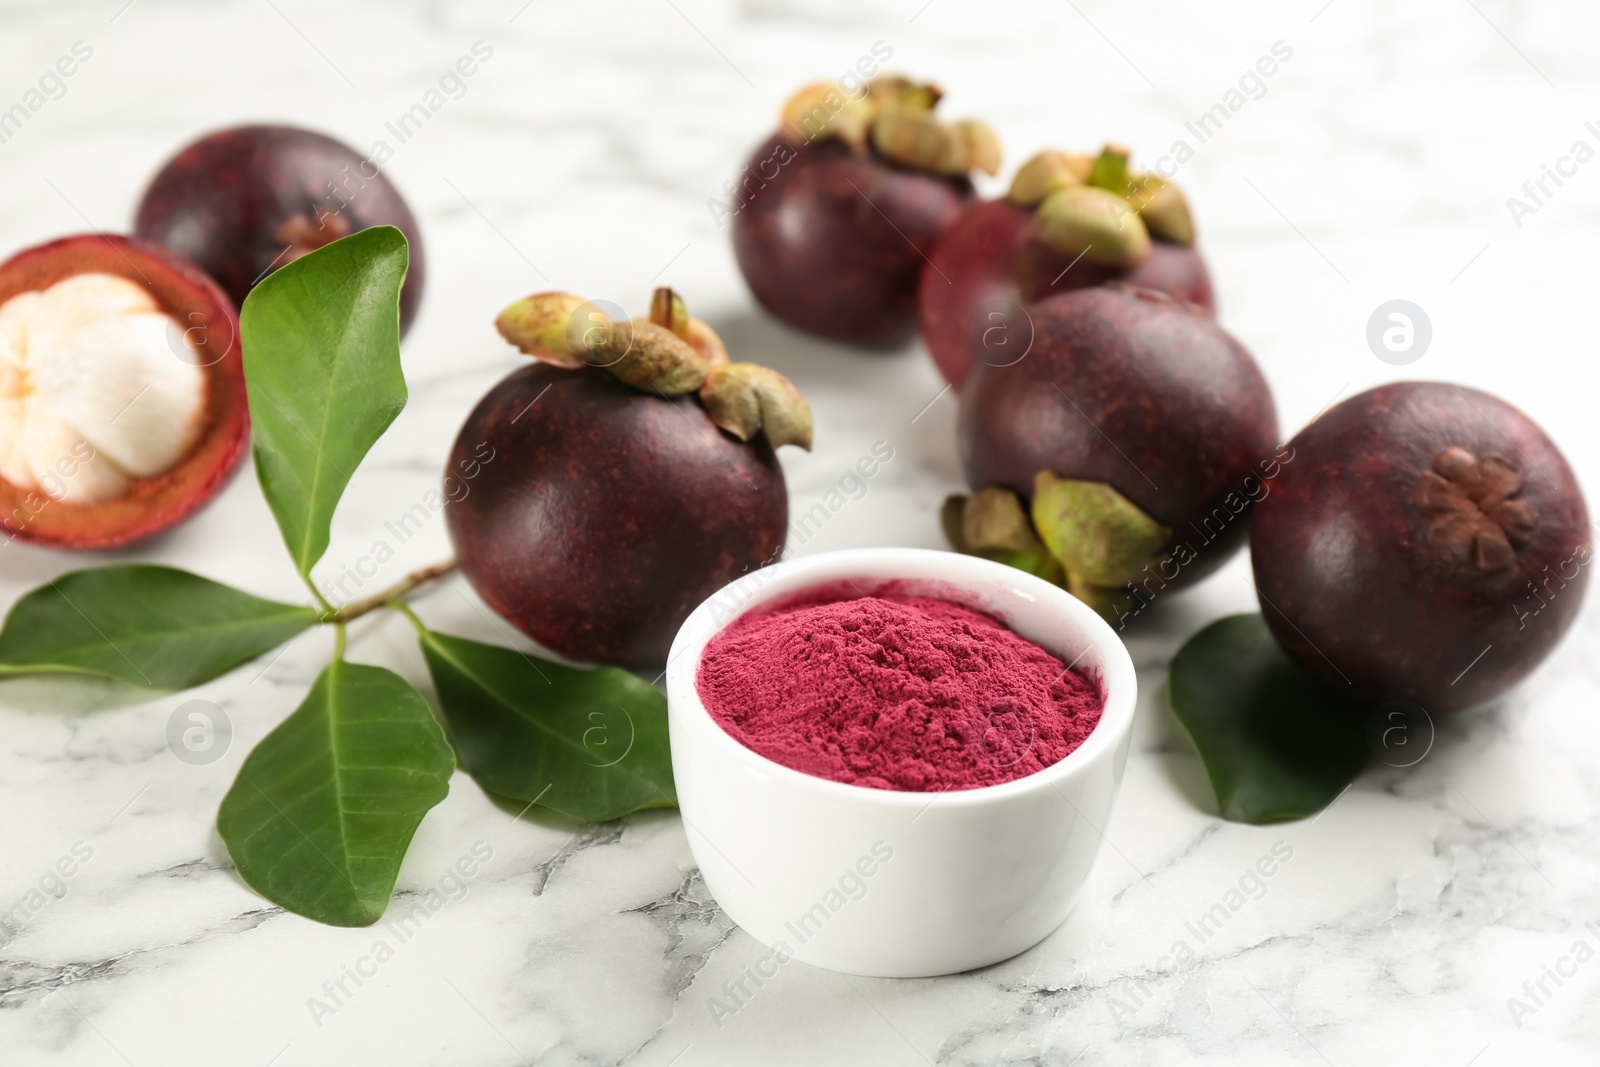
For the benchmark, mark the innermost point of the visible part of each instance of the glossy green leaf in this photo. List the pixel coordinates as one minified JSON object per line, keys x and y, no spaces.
{"x":325,"y":806}
{"x":322,"y":363}
{"x":151,"y":626}
{"x":1276,"y":743}
{"x":587,"y":743}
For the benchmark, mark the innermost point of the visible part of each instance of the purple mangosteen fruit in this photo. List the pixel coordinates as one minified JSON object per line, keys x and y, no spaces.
{"x":242,"y":202}
{"x":836,"y":213}
{"x":1119,"y":452}
{"x":1069,"y":222}
{"x":1427,"y":543}
{"x":622,"y":479}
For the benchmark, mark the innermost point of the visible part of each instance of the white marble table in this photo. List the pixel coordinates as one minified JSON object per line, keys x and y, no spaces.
{"x":1375,"y":164}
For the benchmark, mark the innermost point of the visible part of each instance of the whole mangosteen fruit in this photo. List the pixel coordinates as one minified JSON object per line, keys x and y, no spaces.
{"x":1427,"y":543}
{"x":1120,"y":452}
{"x":836,"y":213}
{"x":242,"y":202}
{"x":622,"y":479}
{"x":1069,"y":222}
{"x":122,"y":395}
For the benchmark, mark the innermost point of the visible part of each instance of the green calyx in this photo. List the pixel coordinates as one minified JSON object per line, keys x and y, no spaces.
{"x":992,"y":524}
{"x":894,"y":116}
{"x":1045,"y":173}
{"x":1098,"y":208}
{"x":747,"y":398}
{"x":1087,"y":222}
{"x":1110,"y":169}
{"x":1163,"y":209}
{"x":668,"y":353}
{"x":917,"y":139}
{"x":1084,"y":536}
{"x":654,"y":354}
{"x":1100,"y":536}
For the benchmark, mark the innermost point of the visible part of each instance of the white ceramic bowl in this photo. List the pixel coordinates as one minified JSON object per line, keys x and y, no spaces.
{"x":886,"y":883}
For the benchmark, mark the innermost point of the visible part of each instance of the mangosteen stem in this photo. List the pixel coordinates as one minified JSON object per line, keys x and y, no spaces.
{"x":390,"y":596}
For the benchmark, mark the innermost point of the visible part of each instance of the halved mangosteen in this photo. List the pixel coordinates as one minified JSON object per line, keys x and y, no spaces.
{"x":122,"y":395}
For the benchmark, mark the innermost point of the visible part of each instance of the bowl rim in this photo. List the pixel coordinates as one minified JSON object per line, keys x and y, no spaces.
{"x":1118,"y":676}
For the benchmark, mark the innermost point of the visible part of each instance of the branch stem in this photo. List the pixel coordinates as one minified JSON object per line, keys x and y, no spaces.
{"x":357,"y":608}
{"x":400,"y":606}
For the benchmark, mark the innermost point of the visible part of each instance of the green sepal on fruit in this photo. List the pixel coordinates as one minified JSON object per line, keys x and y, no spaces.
{"x":1110,"y":169}
{"x":895,"y":116}
{"x":669,"y":353}
{"x":1096,"y":208}
{"x":1084,"y":536}
{"x":992,"y":524}
{"x":1091,"y":223}
{"x":1100,"y":536}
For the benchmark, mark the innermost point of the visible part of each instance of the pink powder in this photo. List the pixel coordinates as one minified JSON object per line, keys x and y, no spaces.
{"x":895,"y":692}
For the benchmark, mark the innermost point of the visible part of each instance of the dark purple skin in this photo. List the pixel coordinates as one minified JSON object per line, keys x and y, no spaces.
{"x":242,"y":202}
{"x":988,"y":256}
{"x":1176,"y":270}
{"x":1370,"y":589}
{"x":833,"y":243}
{"x":1139,"y":391}
{"x":605,"y":514}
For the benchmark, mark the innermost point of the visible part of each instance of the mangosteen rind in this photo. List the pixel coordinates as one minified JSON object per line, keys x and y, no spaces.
{"x":1427,"y":543}
{"x":611,"y":513}
{"x":1069,"y":222}
{"x":159,"y":486}
{"x":833,"y":243}
{"x":1135,"y":391}
{"x":644,"y":482}
{"x":242,"y":202}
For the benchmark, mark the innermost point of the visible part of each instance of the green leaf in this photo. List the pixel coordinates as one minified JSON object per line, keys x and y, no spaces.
{"x":1277,"y":743}
{"x":322,"y":364}
{"x":325,"y":806}
{"x":153,"y":626}
{"x":590,"y":744}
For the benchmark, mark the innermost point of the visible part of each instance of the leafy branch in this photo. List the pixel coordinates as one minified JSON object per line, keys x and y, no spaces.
{"x":323,"y":809}
{"x":391,"y":596}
